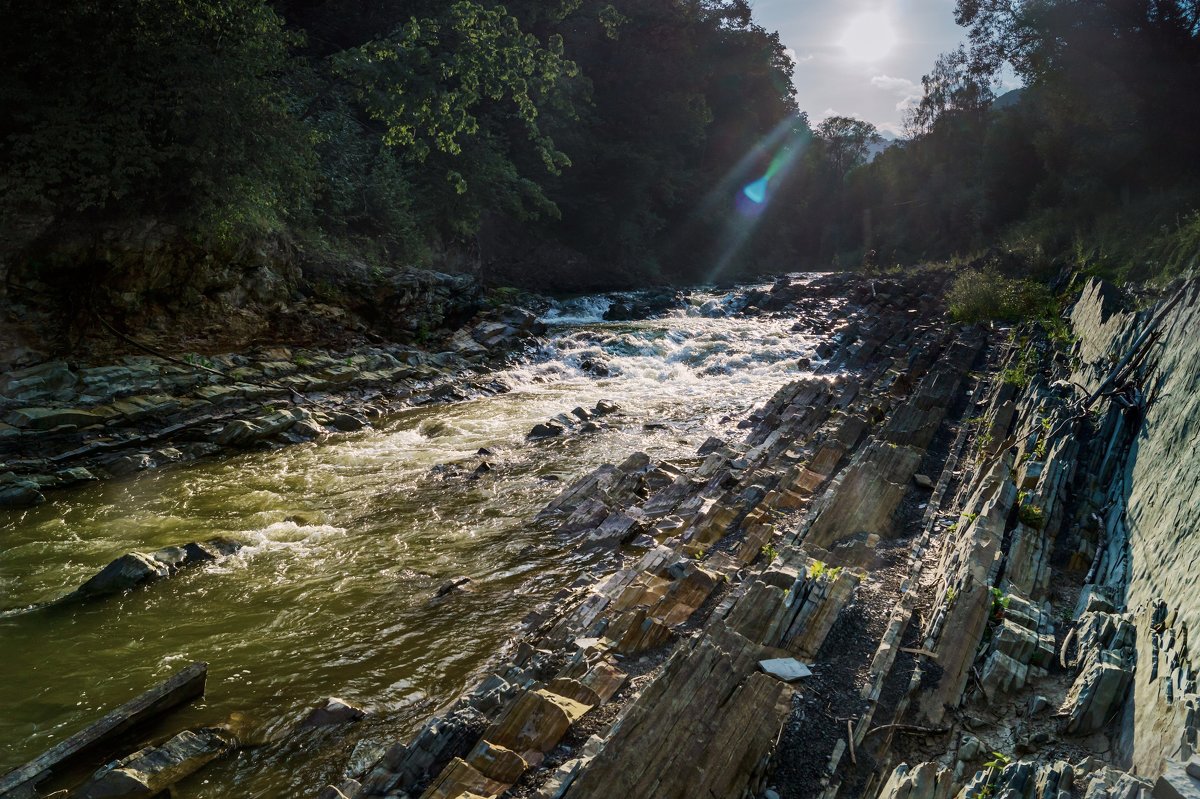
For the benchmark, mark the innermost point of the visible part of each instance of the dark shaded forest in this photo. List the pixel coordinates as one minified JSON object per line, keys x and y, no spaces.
{"x":577,"y":144}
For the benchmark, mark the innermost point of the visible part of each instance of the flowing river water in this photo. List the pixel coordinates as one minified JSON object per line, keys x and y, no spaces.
{"x":347,"y":541}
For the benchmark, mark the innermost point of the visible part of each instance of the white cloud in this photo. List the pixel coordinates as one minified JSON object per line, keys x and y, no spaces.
{"x":799,"y":59}
{"x":891,"y":130}
{"x":900,"y":86}
{"x":909,"y":92}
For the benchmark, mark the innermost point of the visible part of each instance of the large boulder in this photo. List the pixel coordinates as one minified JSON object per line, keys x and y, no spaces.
{"x":20,"y":494}
{"x":123,"y":574}
{"x":136,"y":569}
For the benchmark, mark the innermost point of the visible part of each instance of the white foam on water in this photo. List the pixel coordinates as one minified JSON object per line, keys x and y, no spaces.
{"x":300,"y":540}
{"x":578,"y":311}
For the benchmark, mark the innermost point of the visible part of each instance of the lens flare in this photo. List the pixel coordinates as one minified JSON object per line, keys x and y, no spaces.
{"x":759,"y":191}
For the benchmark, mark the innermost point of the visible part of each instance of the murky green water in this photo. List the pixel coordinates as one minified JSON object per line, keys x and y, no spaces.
{"x":347,"y":541}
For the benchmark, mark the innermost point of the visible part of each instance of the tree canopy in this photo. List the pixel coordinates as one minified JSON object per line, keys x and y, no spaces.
{"x":390,"y":130}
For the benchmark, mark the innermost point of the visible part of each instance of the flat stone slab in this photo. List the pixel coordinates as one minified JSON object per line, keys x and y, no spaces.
{"x":786,"y":669}
{"x":182,"y":687}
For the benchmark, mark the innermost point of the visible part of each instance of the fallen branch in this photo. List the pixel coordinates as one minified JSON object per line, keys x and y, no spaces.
{"x":979,"y":683}
{"x":911,"y":651}
{"x":850,"y":738}
{"x":911,"y":729}
{"x":1133,"y":357}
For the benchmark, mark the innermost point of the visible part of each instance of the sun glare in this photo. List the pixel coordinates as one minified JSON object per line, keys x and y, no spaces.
{"x":869,"y":37}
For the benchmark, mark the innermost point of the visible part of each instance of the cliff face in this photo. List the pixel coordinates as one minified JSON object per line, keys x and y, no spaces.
{"x":1160,"y":491}
{"x":149,"y":279}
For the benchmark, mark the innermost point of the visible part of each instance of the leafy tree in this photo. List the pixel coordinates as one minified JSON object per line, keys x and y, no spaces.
{"x":846,"y":141}
{"x":129,"y":107}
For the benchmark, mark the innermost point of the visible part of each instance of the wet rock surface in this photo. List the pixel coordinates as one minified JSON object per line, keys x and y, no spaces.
{"x":61,"y":420}
{"x":732,"y":576}
{"x":151,"y":771}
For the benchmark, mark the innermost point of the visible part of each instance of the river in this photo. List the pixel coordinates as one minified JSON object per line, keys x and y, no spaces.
{"x":347,"y":541}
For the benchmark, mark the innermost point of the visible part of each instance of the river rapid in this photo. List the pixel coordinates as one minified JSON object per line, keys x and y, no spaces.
{"x":348,"y":540}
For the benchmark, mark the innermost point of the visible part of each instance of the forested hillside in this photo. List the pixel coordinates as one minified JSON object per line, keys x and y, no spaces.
{"x":540,"y":138}
{"x":1093,"y":162}
{"x":575,"y":144}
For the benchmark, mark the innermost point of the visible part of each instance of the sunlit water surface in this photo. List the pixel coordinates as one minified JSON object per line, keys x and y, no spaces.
{"x":347,"y":541}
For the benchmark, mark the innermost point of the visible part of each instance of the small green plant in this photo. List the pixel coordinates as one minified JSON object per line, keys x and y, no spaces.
{"x":198,"y":360}
{"x":1031,"y":516}
{"x":301,"y":360}
{"x":951,"y":595}
{"x":817,"y":568}
{"x":1043,"y":439}
{"x":999,"y":761}
{"x":1060,"y":332}
{"x":986,"y":295}
{"x":770,"y":552}
{"x":820,"y":568}
{"x":1000,"y":603}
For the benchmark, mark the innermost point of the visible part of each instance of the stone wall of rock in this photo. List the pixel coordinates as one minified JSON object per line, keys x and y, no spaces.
{"x":63,"y":423}
{"x":1151,"y":550}
{"x":1065,"y":589}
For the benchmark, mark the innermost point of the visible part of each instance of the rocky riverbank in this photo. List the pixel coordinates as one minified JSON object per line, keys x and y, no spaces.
{"x":62,"y":424}
{"x":945,"y":561}
{"x":915,"y":576}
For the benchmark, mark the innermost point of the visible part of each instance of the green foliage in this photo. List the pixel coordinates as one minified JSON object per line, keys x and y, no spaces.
{"x":999,"y":761}
{"x":199,"y":360}
{"x":397,"y":132}
{"x":1022,"y":371}
{"x":986,"y":295}
{"x":769,"y":552}
{"x":135,"y":107}
{"x":1031,"y":516}
{"x":820,"y":569}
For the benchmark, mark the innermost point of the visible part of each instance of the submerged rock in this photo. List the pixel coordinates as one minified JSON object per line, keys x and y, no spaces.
{"x":454,"y":586}
{"x":136,"y":568}
{"x":150,"y":771}
{"x":546,"y":430}
{"x":334,"y":711}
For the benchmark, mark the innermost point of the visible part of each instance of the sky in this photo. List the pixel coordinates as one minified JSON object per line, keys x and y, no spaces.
{"x":861,"y":58}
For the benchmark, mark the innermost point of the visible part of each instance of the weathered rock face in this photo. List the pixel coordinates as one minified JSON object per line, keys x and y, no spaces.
{"x":65,"y":424}
{"x":1147,"y":547}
